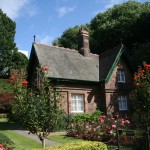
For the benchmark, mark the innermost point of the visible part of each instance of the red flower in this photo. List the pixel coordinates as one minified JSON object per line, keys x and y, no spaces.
{"x":24,"y":82}
{"x":143,"y":71}
{"x":46,"y":68}
{"x":147,"y":65}
{"x":137,"y":84}
{"x":139,"y":75}
{"x":9,"y":80}
{"x":1,"y":145}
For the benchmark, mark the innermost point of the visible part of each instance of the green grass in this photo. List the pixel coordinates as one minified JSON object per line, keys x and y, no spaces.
{"x":63,"y":139}
{"x":20,"y":142}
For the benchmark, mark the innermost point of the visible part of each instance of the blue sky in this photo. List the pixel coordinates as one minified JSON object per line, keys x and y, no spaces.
{"x":47,"y":19}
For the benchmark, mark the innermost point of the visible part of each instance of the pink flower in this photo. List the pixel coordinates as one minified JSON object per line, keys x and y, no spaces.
{"x":113,"y":126}
{"x":127,"y":121}
{"x":101,"y":120}
{"x":1,"y":145}
{"x":98,"y":127}
{"x":46,"y":68}
{"x":103,"y":117}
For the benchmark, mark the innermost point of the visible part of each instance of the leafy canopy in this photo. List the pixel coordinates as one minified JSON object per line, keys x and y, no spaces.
{"x":9,"y":55}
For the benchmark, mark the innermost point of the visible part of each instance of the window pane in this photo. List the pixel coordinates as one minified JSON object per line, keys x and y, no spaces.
{"x":77,"y":102}
{"x":121,"y":75}
{"x":122,"y":101}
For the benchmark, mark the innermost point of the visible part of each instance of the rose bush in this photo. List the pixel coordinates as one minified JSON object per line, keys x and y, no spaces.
{"x":141,"y":94}
{"x":103,"y":129}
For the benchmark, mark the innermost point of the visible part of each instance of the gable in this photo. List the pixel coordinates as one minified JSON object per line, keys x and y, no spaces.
{"x":108,"y":62}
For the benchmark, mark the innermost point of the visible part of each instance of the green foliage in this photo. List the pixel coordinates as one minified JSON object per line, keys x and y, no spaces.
{"x":5,"y":140}
{"x":141,"y":94}
{"x":7,"y":34}
{"x":39,"y":109}
{"x":19,"y":60}
{"x":69,"y":37}
{"x":5,"y":87}
{"x":83,"y":145}
{"x":84,"y":117}
{"x":102,"y":129}
{"x":127,"y":21}
{"x":9,"y":55}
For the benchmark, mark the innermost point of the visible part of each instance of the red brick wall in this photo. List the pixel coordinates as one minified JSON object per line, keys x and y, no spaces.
{"x":113,"y":88}
{"x":89,"y":92}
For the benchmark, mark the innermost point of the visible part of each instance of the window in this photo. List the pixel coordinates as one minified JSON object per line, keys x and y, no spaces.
{"x":37,"y":80}
{"x":77,"y":103}
{"x":122,"y":100}
{"x":121,"y":75}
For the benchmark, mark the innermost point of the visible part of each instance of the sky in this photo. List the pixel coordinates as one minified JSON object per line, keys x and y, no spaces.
{"x":48,"y":19}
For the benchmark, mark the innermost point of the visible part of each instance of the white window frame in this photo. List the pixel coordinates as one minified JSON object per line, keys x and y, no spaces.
{"x":121,"y":76}
{"x":122,"y":102}
{"x":78,"y":101}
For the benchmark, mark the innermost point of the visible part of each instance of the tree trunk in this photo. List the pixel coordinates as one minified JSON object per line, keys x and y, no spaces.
{"x":43,"y":143}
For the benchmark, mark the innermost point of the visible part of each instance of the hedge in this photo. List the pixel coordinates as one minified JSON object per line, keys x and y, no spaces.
{"x":82,"y":145}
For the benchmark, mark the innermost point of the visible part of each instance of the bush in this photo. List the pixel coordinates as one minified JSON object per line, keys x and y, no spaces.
{"x":5,"y":140}
{"x":83,"y":145}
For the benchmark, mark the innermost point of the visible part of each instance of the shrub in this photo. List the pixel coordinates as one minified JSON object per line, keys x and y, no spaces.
{"x":103,"y":129}
{"x":5,"y":140}
{"x":83,"y":145}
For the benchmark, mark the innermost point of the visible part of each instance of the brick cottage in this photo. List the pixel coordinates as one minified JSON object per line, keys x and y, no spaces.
{"x":87,"y":81}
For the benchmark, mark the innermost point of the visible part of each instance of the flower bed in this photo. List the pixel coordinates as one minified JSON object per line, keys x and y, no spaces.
{"x":102,"y":129}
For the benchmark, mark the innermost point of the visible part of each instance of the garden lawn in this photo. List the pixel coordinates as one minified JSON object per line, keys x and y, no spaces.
{"x":63,"y":139}
{"x":20,"y":142}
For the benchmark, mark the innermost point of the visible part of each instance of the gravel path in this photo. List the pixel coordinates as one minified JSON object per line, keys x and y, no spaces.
{"x":34,"y":137}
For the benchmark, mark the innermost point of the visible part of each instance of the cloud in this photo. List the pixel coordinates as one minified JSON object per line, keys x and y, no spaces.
{"x":15,"y":8}
{"x":64,"y":10}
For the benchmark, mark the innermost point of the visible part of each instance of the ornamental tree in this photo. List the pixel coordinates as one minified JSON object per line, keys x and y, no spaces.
{"x":37,"y":109}
{"x":141,"y":93}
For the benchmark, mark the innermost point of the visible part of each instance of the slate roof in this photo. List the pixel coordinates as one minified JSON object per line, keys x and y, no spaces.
{"x":69,"y":64}
{"x":108,"y":60}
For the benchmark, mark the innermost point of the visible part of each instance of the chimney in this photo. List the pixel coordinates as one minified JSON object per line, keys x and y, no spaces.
{"x":83,"y":42}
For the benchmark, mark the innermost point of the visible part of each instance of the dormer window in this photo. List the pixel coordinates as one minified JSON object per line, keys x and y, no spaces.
{"x":121,"y":76}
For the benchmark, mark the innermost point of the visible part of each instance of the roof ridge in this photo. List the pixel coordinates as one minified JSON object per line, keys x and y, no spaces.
{"x":69,"y":49}
{"x":56,"y":46}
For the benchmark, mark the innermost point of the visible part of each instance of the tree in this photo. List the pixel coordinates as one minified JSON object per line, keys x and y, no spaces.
{"x":39,"y":109}
{"x":8,"y":50}
{"x":69,"y":37}
{"x":128,"y":21}
{"x":141,"y":93}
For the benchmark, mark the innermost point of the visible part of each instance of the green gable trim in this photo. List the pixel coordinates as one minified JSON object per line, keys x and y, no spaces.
{"x":114,"y":64}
